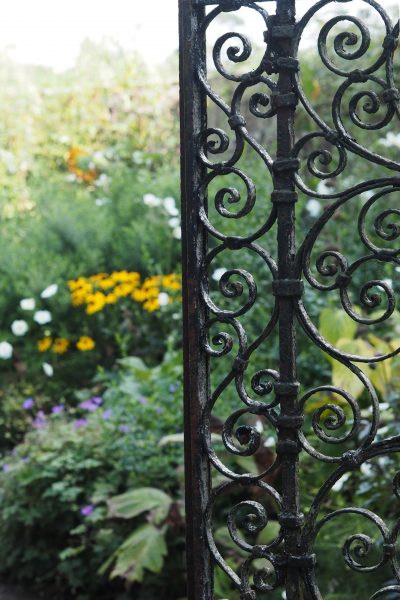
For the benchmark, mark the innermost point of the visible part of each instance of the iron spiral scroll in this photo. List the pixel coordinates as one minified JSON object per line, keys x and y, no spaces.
{"x":366,"y":99}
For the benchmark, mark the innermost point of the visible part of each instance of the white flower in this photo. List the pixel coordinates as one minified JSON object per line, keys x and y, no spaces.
{"x":340,"y":482}
{"x":71,"y":178}
{"x":151,"y":200}
{"x":19,"y":327}
{"x":391,"y":139}
{"x":388,"y":282}
{"x":218,"y":274}
{"x":169,"y":205}
{"x":49,"y":291}
{"x":367,"y":194}
{"x":174,"y":222}
{"x":177,"y":233}
{"x":313,"y":207}
{"x":27,"y":304}
{"x":48,"y":369}
{"x":270,"y":442}
{"x":103,"y":180}
{"x":322,"y":188}
{"x":102,"y":201}
{"x":367,"y":470}
{"x":42,"y":317}
{"x":6,"y":350}
{"x":259,"y":426}
{"x":137,"y":157}
{"x":163,"y":299}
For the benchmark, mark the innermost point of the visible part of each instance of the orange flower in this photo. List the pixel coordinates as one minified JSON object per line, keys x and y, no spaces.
{"x":75,"y":153}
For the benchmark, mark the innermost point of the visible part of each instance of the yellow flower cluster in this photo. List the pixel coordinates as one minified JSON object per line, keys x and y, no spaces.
{"x":61,"y":345}
{"x":97,"y":291}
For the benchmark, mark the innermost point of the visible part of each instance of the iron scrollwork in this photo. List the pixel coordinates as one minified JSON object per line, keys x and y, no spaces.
{"x":366,"y":99}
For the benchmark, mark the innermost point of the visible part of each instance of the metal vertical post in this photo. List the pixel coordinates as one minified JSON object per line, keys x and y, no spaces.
{"x":197,"y":467}
{"x":286,"y":288}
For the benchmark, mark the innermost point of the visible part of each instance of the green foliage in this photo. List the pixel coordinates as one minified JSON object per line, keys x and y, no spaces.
{"x":133,"y":503}
{"x":342,"y":332}
{"x":144,"y":549}
{"x":63,"y":474}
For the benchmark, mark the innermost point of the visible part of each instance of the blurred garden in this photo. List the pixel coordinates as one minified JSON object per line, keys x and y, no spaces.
{"x":91,"y":419}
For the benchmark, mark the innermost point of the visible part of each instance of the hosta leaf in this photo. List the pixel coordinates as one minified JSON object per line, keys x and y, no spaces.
{"x":133,"y":503}
{"x":379,"y":374}
{"x":335,"y":324}
{"x":144,"y":549}
{"x":342,"y":377}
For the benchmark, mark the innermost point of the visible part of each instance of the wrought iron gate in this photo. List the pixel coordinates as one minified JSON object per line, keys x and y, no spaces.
{"x":366,"y":99}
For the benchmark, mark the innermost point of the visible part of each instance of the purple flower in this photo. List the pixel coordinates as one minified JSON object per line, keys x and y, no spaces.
{"x":173,"y":387}
{"x":28,"y":403}
{"x":6,"y":468}
{"x":158,"y":410}
{"x":107,"y":414}
{"x":97,"y":400}
{"x":78,"y":423}
{"x":142,"y":400}
{"x":89,"y":405}
{"x":124,"y":428}
{"x":87,"y":510}
{"x":57,"y":409}
{"x":40,"y":420}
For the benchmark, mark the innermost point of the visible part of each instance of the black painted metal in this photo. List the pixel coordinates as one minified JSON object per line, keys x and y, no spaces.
{"x":291,"y":554}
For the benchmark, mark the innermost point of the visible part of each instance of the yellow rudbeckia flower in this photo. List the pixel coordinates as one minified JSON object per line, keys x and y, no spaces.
{"x":85,"y":343}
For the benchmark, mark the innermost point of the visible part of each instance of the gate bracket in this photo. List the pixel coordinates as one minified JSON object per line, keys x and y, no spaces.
{"x":283,"y":388}
{"x":305,"y":561}
{"x":288,"y":447}
{"x":285,"y":164}
{"x":290,"y":421}
{"x":292,"y":520}
{"x":285,"y":196}
{"x":279,"y":100}
{"x":288,"y":288}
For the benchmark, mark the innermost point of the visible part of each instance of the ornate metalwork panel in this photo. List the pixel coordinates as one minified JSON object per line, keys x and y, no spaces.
{"x":295,"y":116}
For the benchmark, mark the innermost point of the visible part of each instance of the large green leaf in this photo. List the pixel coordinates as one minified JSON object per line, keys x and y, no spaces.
{"x":133,"y":503}
{"x":335,"y":324}
{"x":144,"y":549}
{"x":379,"y":374}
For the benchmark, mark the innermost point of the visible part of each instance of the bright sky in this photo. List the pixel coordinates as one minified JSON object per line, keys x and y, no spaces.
{"x":50,"y":32}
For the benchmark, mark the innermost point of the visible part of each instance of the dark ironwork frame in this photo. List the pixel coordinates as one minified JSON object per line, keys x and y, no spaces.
{"x":291,"y":553}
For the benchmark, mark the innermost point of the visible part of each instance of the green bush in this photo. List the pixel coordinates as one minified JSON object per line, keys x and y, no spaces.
{"x":55,"y":529}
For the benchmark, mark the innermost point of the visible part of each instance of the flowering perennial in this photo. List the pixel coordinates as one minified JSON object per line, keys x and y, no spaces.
{"x":99,"y":290}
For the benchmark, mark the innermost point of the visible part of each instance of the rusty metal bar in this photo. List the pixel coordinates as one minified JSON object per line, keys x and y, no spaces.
{"x":194,"y":243}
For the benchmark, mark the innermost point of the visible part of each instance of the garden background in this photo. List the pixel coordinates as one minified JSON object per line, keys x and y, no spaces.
{"x":91,"y":482}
